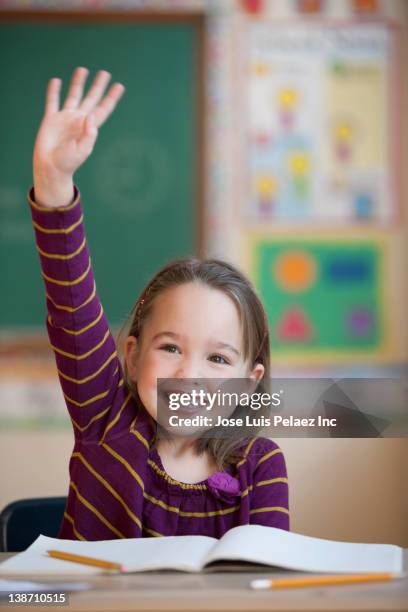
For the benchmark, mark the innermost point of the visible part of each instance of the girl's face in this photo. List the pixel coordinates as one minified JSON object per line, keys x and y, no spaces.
{"x":193,"y":331}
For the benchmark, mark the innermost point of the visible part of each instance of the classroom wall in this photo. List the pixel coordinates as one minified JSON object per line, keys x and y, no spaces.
{"x":354,"y":489}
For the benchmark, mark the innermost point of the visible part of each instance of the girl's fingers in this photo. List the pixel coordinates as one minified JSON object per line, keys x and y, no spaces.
{"x":76,"y":89}
{"x":106,"y":107}
{"x":52,"y":96}
{"x":96,"y":91}
{"x":88,"y":137}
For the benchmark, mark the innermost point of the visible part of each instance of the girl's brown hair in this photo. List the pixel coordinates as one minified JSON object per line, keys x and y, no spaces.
{"x":223,"y":276}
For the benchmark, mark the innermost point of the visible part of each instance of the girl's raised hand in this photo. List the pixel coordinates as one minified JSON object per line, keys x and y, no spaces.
{"x":66,"y":136}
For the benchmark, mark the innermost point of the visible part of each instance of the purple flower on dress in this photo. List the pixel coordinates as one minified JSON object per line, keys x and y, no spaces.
{"x":224,"y":486}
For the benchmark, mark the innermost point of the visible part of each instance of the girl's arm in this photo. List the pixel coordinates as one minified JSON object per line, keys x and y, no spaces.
{"x":85,"y":352}
{"x":270,"y":497}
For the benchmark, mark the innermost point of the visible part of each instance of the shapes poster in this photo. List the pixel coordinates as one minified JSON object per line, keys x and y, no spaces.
{"x":321,"y":123}
{"x":322,"y":297}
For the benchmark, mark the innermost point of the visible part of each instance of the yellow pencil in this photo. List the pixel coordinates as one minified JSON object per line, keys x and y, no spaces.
{"x":311,"y":581}
{"x":110,"y":565}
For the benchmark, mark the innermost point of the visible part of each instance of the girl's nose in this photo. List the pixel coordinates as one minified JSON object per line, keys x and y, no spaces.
{"x":188,"y":368}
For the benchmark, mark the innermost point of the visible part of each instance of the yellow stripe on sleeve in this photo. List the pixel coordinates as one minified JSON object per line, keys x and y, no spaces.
{"x":66,"y":230}
{"x":277,"y":451}
{"x":92,"y":399}
{"x":74,"y":529}
{"x":84,"y":355}
{"x":81,"y":381}
{"x":246,"y":491}
{"x":92,"y":508}
{"x":68,"y":283}
{"x":261,"y":483}
{"x":269,"y":509}
{"x":127,"y":465}
{"x":246,"y":453}
{"x":140,"y":437}
{"x":94,"y":418}
{"x":109,"y":488}
{"x":153,"y":533}
{"x":89,"y":401}
{"x":116,"y":419}
{"x":77,"y":332}
{"x":69,"y":308}
{"x":64,"y":257}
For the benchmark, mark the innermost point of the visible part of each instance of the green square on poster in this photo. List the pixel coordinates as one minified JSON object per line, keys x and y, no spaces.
{"x":321,"y":295}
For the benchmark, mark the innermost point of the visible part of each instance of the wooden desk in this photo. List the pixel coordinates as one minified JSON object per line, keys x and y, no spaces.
{"x":218,"y":592}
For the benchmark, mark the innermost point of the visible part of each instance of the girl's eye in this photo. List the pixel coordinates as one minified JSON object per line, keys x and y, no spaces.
{"x":219,"y":357}
{"x":172,"y":348}
{"x":169,"y":348}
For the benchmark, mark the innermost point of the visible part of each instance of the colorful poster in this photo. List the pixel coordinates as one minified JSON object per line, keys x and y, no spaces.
{"x":320,"y":123}
{"x":323,"y":298}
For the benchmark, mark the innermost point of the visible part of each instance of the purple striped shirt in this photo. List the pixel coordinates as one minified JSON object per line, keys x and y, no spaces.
{"x":118,"y":485}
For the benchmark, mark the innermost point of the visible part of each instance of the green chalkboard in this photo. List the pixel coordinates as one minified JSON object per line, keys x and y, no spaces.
{"x":139,"y":187}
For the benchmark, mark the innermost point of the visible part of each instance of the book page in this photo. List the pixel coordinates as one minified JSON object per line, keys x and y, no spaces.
{"x":276,"y":547}
{"x":19,"y":586}
{"x":184,"y":553}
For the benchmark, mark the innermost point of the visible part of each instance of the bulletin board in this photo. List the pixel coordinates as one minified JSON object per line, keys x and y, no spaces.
{"x":322,"y":119}
{"x":324,"y":297}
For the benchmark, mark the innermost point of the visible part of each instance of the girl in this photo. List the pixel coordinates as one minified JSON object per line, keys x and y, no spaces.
{"x":195,"y":319}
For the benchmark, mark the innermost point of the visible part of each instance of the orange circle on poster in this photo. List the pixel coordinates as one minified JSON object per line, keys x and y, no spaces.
{"x":295,"y":271}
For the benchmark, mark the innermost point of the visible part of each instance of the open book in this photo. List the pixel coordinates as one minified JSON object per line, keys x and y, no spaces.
{"x":247,"y":543}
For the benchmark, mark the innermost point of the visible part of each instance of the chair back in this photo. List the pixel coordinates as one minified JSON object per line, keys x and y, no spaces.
{"x":22,"y":521}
